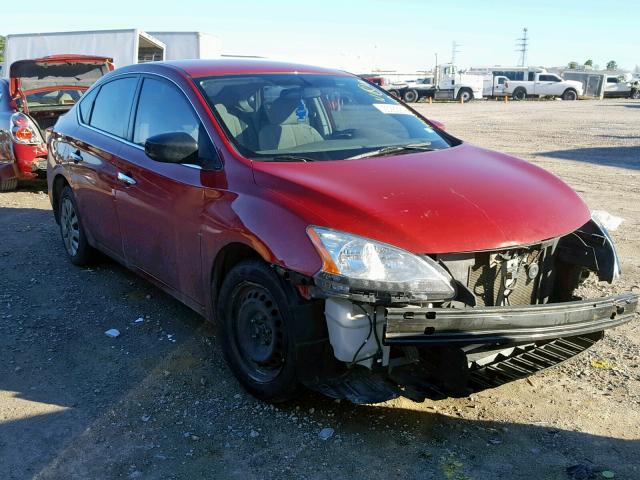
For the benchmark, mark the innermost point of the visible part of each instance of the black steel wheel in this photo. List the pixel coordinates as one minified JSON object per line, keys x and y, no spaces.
{"x":253,"y":320}
{"x":411,"y":96}
{"x":519,"y":94}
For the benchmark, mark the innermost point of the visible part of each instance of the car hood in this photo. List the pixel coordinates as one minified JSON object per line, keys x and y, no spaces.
{"x":55,"y":71}
{"x":459,"y":199}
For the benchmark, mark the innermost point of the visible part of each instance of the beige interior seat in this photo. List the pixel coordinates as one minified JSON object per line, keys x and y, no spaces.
{"x":238,"y":128}
{"x":284,"y":130}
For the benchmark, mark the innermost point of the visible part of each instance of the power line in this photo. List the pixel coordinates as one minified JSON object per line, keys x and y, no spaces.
{"x":523,"y":46}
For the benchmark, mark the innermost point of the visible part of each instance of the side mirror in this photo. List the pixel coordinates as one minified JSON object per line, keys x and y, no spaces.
{"x":174,"y":147}
{"x":437,"y":124}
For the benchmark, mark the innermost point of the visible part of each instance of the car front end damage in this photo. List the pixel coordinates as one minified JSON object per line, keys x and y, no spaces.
{"x":466,"y":321}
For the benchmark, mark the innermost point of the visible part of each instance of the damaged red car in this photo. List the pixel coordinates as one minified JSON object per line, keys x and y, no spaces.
{"x":36,"y":93}
{"x":338,"y":239}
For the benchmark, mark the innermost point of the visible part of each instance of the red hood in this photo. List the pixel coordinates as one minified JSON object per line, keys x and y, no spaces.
{"x":460,"y":199}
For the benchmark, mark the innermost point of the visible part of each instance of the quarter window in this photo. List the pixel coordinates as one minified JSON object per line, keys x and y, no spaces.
{"x":86,"y":105}
{"x":112,"y":106}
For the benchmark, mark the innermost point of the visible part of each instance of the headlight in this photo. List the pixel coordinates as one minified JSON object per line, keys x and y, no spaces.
{"x":355,"y":263}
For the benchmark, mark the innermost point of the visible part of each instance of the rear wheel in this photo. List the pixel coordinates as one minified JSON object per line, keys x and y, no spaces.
{"x":635,"y":94}
{"x":411,"y":96}
{"x":73,"y":236}
{"x":395,"y":93}
{"x":8,"y":185}
{"x":570,"y":94}
{"x":254,"y":325}
{"x":519,"y":94}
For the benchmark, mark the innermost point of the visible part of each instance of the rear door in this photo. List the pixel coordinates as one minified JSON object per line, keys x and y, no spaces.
{"x":104,"y":117}
{"x":160,"y":204}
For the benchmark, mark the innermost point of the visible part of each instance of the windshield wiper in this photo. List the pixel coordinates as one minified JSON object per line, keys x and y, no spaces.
{"x":391,"y":149}
{"x":290,"y":158}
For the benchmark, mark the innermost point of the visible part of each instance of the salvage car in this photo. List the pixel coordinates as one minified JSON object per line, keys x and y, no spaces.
{"x":36,"y":93}
{"x":338,"y":239}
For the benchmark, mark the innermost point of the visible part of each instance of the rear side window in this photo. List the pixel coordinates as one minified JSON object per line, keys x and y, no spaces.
{"x":86,"y":105}
{"x":549,"y":78}
{"x":163,"y":109}
{"x":112,"y":106}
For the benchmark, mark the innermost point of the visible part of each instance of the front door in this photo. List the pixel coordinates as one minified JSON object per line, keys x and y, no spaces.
{"x":160,"y":204}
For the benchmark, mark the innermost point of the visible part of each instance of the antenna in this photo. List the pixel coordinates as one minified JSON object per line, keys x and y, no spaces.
{"x":454,"y":51}
{"x":523,"y":45}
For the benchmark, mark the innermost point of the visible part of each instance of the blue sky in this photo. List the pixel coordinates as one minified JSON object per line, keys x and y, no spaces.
{"x":361,"y":35}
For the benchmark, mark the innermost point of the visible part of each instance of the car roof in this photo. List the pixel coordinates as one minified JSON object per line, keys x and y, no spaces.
{"x":237,"y":66}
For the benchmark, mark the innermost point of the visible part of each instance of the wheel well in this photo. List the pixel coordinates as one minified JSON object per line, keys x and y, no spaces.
{"x":227,"y":258}
{"x":58,"y":185}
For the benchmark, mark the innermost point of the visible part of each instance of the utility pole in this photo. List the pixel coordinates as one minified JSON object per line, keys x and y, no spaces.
{"x":454,"y":51}
{"x":523,"y":45}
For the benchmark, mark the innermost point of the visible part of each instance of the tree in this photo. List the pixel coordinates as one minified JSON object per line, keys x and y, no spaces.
{"x":573,"y":65}
{"x":612,"y":65}
{"x":588,"y":63}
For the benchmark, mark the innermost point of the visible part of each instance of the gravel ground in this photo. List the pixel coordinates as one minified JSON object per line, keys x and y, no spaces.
{"x":158,"y":402}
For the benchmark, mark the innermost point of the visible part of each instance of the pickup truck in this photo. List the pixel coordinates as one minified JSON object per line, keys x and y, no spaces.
{"x":544,"y":85}
{"x":619,"y":87}
{"x":413,"y":90}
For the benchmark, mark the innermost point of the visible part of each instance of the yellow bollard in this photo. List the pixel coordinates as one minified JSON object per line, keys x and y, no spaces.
{"x":506,"y":99}
{"x":430,"y":100}
{"x":461,"y":100}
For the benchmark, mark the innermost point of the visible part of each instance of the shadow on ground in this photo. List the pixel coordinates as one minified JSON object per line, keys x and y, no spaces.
{"x":623,"y":157}
{"x":158,"y":402}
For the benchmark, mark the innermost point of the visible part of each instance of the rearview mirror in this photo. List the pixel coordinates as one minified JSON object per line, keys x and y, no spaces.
{"x":174,"y":147}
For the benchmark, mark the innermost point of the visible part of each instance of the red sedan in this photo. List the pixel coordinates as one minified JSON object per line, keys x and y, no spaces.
{"x":338,"y":239}
{"x":37,"y":92}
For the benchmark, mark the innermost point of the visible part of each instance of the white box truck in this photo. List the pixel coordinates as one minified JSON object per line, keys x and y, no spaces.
{"x":182,"y":45}
{"x":124,"y":46}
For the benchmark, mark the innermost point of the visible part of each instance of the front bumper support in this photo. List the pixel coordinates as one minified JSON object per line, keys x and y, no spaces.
{"x":506,"y":325}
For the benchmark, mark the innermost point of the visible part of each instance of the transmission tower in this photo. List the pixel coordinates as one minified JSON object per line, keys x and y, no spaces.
{"x":454,"y":51}
{"x":523,"y":45}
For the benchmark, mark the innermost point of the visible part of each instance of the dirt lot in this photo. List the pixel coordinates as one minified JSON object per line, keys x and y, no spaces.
{"x":158,"y":402}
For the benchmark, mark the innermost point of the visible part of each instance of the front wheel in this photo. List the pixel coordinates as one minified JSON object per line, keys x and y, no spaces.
{"x":73,"y":235}
{"x":254,"y":326}
{"x":635,"y":94}
{"x":465,"y":95}
{"x":570,"y":94}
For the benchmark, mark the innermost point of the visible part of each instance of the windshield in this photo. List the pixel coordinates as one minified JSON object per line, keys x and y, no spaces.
{"x":314,"y":117}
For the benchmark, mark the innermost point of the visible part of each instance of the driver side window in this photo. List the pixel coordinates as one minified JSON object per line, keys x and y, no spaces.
{"x":162,"y":108}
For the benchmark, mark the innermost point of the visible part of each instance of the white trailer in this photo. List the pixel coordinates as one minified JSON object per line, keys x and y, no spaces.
{"x":182,"y":45}
{"x":124,"y":46}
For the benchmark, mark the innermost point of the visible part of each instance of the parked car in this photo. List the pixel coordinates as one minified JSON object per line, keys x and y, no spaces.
{"x":617,"y":86}
{"x":338,"y":239}
{"x":36,"y":93}
{"x":544,"y":85}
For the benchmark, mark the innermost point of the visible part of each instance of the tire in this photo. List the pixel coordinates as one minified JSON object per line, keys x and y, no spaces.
{"x":465,"y":94}
{"x":395,"y":93}
{"x":254,"y":325}
{"x":411,"y":96}
{"x":9,"y":185}
{"x":73,"y":235}
{"x":570,"y":94}
{"x":519,"y":94}
{"x":635,"y":94}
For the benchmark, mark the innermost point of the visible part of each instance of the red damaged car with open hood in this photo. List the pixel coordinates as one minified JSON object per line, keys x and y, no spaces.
{"x":36,"y":93}
{"x":338,"y":239}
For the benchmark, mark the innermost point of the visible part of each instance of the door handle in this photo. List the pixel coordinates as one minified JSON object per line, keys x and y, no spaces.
{"x":126,"y":179}
{"x":76,"y":156}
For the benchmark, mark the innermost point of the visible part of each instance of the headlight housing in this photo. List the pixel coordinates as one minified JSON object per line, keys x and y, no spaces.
{"x":355,"y":264}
